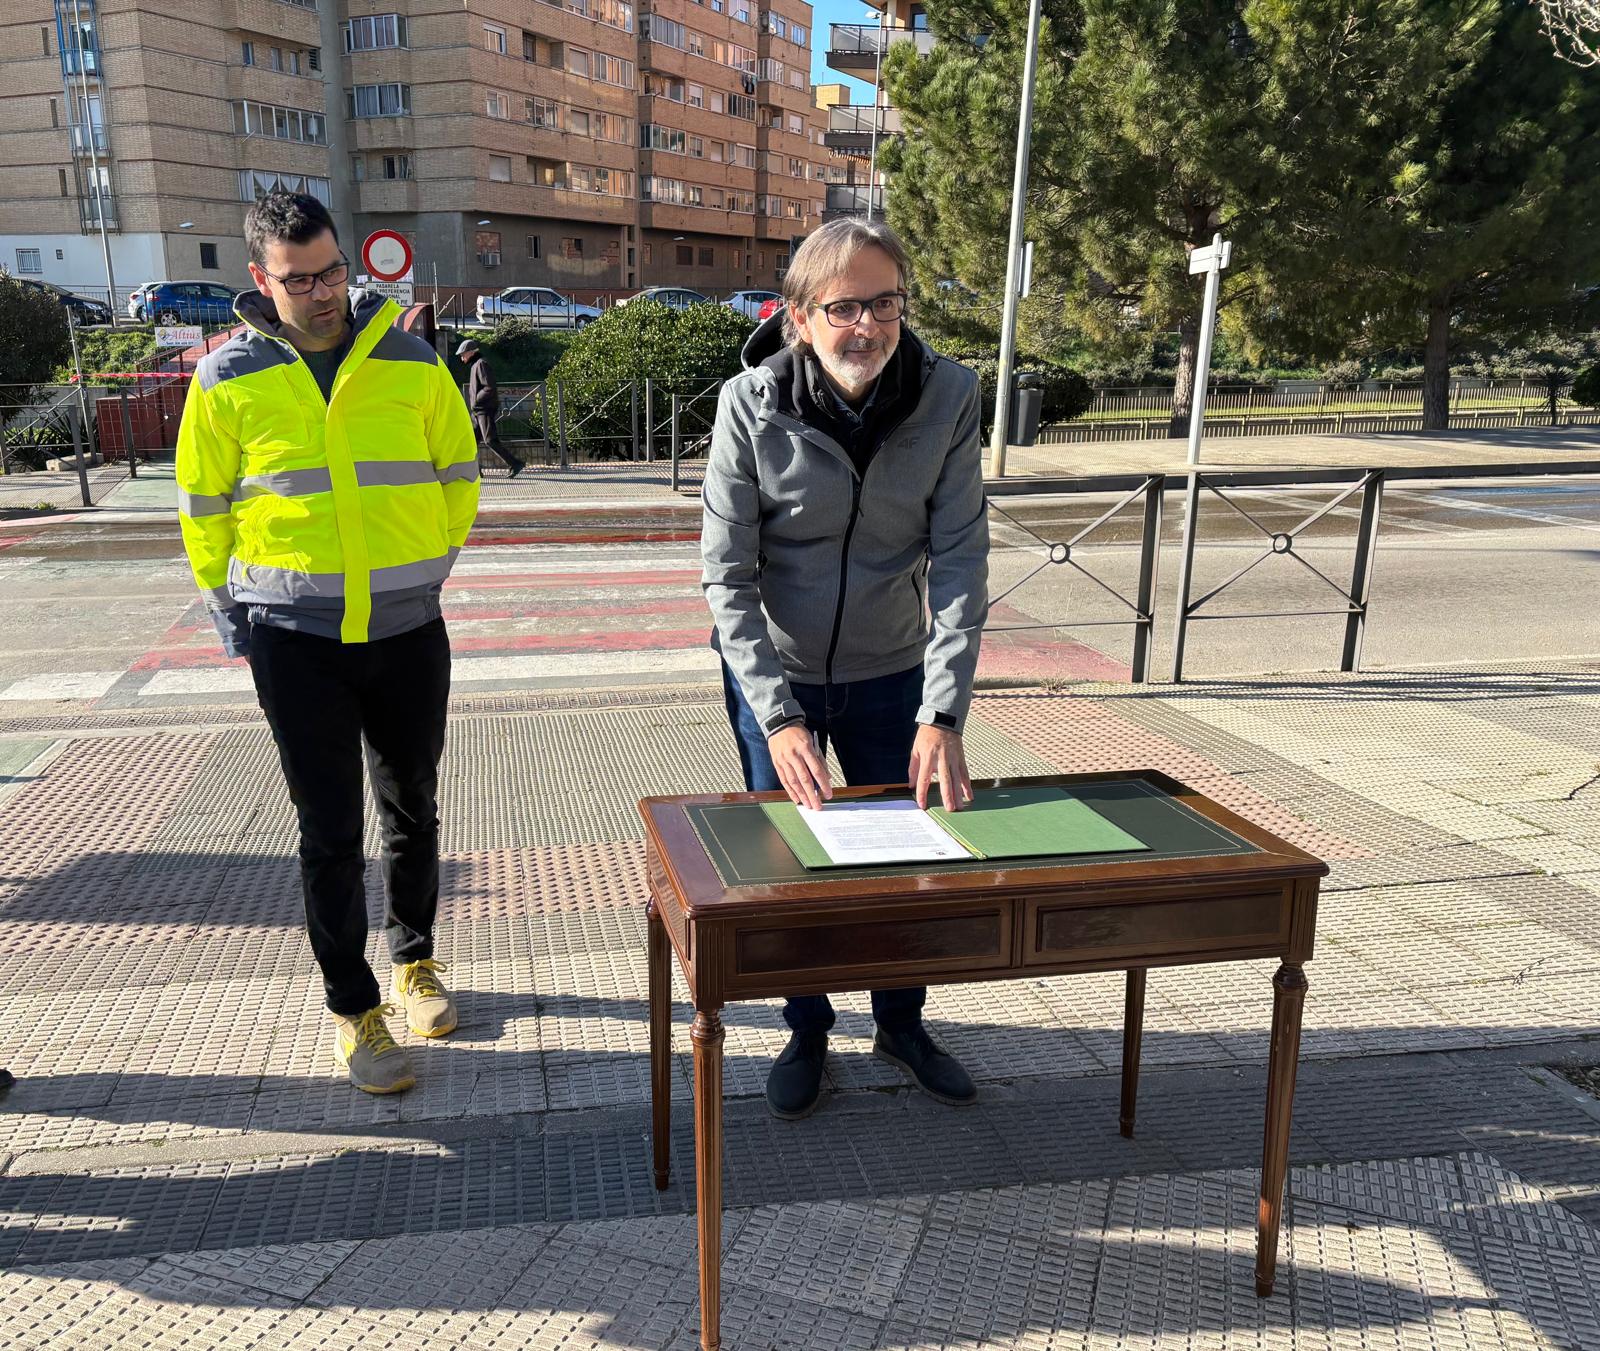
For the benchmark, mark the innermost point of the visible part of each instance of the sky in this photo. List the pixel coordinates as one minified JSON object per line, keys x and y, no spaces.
{"x":823,"y":13}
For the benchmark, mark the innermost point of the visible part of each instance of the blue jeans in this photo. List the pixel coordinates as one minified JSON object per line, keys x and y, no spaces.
{"x":872,"y":725}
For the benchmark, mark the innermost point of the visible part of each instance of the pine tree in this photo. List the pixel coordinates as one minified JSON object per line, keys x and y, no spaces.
{"x":1159,"y":123}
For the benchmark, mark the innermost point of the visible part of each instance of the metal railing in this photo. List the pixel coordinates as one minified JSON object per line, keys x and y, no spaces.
{"x":853,"y":119}
{"x":870,"y":39}
{"x":848,"y":199}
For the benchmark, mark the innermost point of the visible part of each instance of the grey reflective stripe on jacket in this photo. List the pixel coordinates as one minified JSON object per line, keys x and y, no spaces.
{"x":787,"y":519}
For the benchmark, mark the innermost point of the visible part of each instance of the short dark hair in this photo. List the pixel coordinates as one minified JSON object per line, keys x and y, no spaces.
{"x":287,"y":218}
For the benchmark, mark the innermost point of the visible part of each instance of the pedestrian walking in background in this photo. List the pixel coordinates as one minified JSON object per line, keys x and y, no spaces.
{"x":483,"y":398}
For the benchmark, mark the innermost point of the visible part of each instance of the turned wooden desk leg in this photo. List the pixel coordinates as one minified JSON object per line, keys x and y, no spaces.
{"x":1132,"y":1045}
{"x":660,"y":1047}
{"x":1288,"y":999}
{"x":707,"y":1037}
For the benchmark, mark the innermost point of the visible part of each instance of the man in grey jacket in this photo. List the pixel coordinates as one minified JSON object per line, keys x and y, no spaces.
{"x":845,"y":547}
{"x":483,"y":402}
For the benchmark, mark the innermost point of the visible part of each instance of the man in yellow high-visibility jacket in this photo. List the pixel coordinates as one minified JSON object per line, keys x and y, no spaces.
{"x":327,"y":478}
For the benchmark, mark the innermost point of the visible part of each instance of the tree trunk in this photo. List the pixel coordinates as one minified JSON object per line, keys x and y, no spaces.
{"x":1183,"y":382}
{"x":1436,"y":366}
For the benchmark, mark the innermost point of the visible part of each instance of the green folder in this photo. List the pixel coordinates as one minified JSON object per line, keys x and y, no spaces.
{"x":1001,"y":823}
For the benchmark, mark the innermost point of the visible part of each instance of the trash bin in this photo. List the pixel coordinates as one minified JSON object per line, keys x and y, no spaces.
{"x":1027,"y":401}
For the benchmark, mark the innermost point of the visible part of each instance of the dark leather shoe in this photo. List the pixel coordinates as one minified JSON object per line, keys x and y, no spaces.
{"x":932,"y":1068}
{"x":796,"y":1076}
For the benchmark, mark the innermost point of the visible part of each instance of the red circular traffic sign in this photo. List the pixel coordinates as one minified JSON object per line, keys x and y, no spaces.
{"x":386,"y":254}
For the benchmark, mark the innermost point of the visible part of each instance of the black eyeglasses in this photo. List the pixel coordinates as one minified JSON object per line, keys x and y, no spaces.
{"x":886,"y":309}
{"x":301,"y":284}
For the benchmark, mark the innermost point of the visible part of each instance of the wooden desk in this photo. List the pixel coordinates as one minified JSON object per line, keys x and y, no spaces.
{"x":748,"y":922}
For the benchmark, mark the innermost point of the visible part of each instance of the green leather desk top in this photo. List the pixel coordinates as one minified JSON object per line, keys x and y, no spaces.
{"x":747,"y":850}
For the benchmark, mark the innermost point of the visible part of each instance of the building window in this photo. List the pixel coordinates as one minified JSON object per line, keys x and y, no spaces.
{"x":247,"y":53}
{"x":254,"y":183}
{"x":277,"y":58}
{"x":62,"y":175}
{"x":796,"y":124}
{"x":374,"y":33}
{"x":663,"y":138}
{"x":685,"y":255}
{"x":497,"y":105}
{"x":613,"y":70}
{"x":314,"y":57}
{"x":294,"y":63}
{"x":668,"y":32}
{"x":399,"y":166}
{"x":208,"y":257}
{"x":697,"y":96}
{"x":494,"y":38}
{"x":742,"y":105}
{"x":579,"y":121}
{"x":744,"y":156}
{"x":578,"y":61}
{"x":499,"y":168}
{"x":708,"y":257}
{"x":380,"y":100}
{"x":29,"y":261}
{"x":487,"y":246}
{"x":534,"y":248}
{"x":542,"y":113}
{"x":358,"y":169}
{"x":797,"y":34}
{"x":697,"y":147}
{"x":572,"y":247}
{"x":282,"y":124}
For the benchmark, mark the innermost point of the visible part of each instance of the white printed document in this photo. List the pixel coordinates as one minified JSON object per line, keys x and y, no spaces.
{"x":881,"y":832}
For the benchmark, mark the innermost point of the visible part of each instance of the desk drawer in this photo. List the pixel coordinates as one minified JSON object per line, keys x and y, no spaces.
{"x":978,"y":939}
{"x":1056,"y":932}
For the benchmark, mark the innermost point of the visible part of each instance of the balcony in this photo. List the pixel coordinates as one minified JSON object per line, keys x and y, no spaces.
{"x":85,"y":61}
{"x":848,"y":200}
{"x":850,"y":127}
{"x":855,"y":48}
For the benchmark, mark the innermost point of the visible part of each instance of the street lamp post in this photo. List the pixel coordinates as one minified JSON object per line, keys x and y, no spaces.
{"x":877,"y":78}
{"x":1019,"y":196}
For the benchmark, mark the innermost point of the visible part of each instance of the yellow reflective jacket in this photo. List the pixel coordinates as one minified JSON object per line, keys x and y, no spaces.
{"x":340,"y":505}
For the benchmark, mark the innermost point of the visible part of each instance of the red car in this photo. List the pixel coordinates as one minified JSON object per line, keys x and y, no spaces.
{"x":770,"y":308}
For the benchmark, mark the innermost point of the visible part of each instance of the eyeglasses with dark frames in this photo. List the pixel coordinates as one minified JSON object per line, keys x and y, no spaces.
{"x":302,"y":284}
{"x":886,"y":309}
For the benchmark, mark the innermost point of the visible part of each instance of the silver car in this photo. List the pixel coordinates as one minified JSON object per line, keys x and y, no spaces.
{"x":678,"y":297}
{"x":544,"y":307}
{"x":749,"y":303}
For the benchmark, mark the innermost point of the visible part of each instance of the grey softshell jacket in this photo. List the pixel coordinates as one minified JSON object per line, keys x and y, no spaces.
{"x":816,"y":575}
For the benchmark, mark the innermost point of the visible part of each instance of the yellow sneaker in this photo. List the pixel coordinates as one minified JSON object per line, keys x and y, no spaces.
{"x":375,"y":1060}
{"x":430,"y":1008}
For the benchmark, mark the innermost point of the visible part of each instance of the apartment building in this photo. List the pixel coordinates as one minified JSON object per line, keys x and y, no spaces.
{"x":854,"y":128}
{"x":592,"y":145}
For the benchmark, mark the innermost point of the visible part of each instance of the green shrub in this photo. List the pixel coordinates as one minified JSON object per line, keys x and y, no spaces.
{"x":1586,"y":387}
{"x":681,"y":351}
{"x":105,"y":351}
{"x":1343,"y":374}
{"x":33,"y":338}
{"x":518,"y":352}
{"x":1067,"y":395}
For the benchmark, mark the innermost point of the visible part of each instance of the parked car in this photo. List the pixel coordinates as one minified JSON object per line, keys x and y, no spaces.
{"x":136,"y":300}
{"x":84,"y":310}
{"x":770,"y":308}
{"x":544,"y":307}
{"x":187,"y":302}
{"x":679,"y":297}
{"x":751,"y":303}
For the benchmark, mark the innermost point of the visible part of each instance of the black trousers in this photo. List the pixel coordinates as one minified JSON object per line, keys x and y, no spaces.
{"x":488,"y":429}
{"x":326,"y":702}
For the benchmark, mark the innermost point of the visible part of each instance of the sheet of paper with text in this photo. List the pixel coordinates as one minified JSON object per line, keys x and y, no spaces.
{"x":881,"y":832}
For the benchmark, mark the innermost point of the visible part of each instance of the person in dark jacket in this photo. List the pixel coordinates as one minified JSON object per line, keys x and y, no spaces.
{"x":845,"y":545}
{"x":483,"y":400}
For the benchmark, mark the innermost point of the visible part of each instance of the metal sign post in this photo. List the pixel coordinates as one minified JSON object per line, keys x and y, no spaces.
{"x":1210,"y":260}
